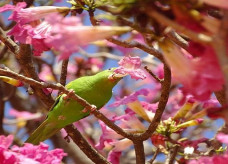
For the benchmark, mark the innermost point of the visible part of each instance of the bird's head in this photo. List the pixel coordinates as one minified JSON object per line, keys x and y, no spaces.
{"x":109,"y":76}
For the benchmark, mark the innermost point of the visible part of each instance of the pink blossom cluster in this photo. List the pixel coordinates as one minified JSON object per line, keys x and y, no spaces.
{"x":131,"y":66}
{"x":28,"y":153}
{"x":221,"y":159}
{"x":44,"y":28}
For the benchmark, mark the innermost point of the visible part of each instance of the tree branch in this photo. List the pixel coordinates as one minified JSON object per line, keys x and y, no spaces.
{"x":74,"y":133}
{"x":84,"y":145}
{"x":61,"y":88}
{"x":13,"y":47}
{"x":139,"y":152}
{"x":63,"y":74}
{"x":25,"y":60}
{"x":135,"y":44}
{"x":161,"y":106}
{"x":198,"y":37}
{"x":24,"y":57}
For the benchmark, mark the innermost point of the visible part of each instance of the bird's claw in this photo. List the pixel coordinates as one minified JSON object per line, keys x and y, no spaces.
{"x":89,"y":108}
{"x":71,"y":92}
{"x":68,"y":96}
{"x":67,"y":138}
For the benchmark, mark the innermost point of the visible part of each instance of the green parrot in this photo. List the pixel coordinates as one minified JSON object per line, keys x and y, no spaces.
{"x":96,"y":89}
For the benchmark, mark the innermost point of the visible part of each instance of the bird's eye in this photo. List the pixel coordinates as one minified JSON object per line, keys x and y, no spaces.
{"x":109,"y":69}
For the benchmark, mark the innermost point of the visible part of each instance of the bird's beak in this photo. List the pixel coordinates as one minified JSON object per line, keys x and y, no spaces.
{"x":116,"y":76}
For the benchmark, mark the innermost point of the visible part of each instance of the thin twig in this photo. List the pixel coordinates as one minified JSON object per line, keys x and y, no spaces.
{"x":111,"y":125}
{"x":176,"y":38}
{"x":169,"y":32}
{"x":142,"y":30}
{"x":134,"y":44}
{"x":153,"y":75}
{"x":161,"y":106}
{"x":172,"y":155}
{"x":13,"y":47}
{"x":154,"y":157}
{"x":114,"y":57}
{"x":64,"y":72}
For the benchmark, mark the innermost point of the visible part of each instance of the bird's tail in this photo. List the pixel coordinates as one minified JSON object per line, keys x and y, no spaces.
{"x":43,"y":132}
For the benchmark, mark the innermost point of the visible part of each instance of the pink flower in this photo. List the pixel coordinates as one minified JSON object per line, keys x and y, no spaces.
{"x":134,"y":37}
{"x":194,"y":143}
{"x":217,"y":3}
{"x":68,"y":34}
{"x":5,"y":142}
{"x":28,"y":31}
{"x":203,"y":160}
{"x":130,"y":98}
{"x":222,"y":138}
{"x":131,"y":65}
{"x":46,"y":74}
{"x":38,"y":35}
{"x":132,"y":102}
{"x":149,"y":106}
{"x":95,"y":64}
{"x":216,"y":159}
{"x":200,"y":75}
{"x":15,"y":9}
{"x":5,"y":156}
{"x":128,"y":122}
{"x":35,"y":13}
{"x":108,"y":135}
{"x":21,"y":33}
{"x":28,"y":153}
{"x":24,"y":114}
{"x":110,"y":139}
{"x":217,"y":112}
{"x":114,"y":157}
{"x":21,"y":117}
{"x":23,"y":16}
{"x":184,"y":18}
{"x":40,"y":153}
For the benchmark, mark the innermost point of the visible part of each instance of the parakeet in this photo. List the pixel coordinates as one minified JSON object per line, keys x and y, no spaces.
{"x":96,"y":89}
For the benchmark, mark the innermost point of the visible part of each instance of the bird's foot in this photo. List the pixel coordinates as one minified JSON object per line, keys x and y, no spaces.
{"x":67,"y":138}
{"x":89,"y":108}
{"x":69,"y":95}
